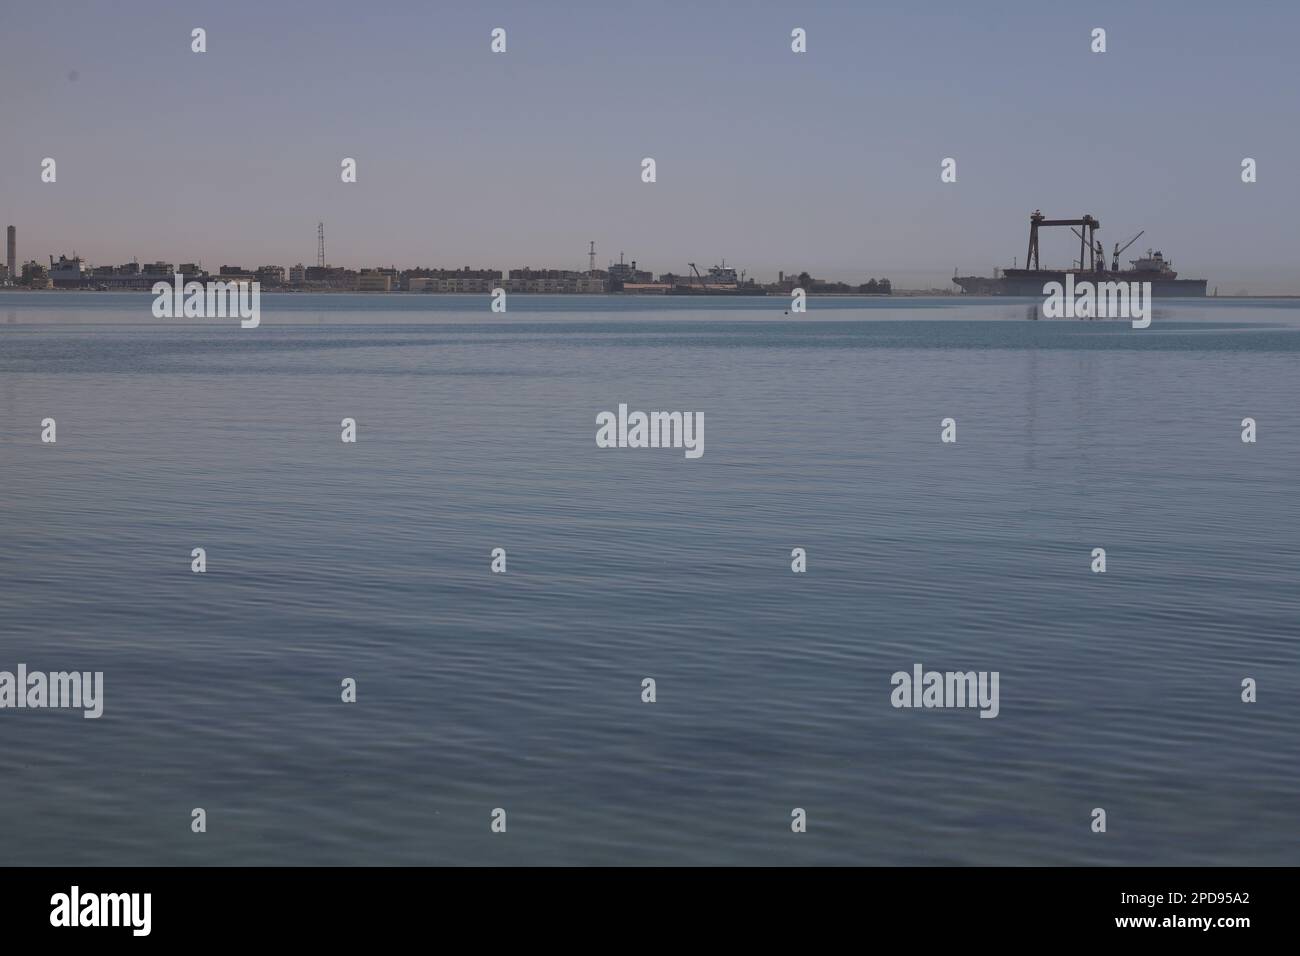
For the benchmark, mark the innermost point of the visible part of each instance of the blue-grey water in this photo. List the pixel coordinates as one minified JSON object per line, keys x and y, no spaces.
{"x":522,"y":690}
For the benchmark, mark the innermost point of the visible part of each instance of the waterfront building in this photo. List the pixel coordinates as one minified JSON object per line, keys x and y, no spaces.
{"x":451,"y":280}
{"x":35,"y":276}
{"x":270,"y":276}
{"x":555,"y":281}
{"x":374,"y":280}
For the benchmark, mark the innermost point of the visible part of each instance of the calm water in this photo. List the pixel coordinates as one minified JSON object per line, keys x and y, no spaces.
{"x":1118,"y":690}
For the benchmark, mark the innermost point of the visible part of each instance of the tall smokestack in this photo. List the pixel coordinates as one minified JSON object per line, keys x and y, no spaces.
{"x":12,"y":257}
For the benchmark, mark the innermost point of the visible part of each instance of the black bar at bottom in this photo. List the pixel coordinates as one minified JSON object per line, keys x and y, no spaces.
{"x":339,"y":905}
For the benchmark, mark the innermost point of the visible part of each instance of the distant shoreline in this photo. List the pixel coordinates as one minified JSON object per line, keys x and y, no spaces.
{"x":583,"y":295}
{"x":896,"y":294}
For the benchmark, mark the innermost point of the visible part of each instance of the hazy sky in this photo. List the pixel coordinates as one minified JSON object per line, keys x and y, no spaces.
{"x":826,"y":161}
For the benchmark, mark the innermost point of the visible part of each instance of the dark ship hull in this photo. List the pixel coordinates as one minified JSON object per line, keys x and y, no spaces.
{"x":706,"y":290}
{"x":1030,"y":282}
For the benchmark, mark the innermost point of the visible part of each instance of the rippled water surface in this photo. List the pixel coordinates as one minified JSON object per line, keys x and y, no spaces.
{"x":523,"y":691}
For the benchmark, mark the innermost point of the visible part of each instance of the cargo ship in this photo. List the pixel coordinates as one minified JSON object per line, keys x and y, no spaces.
{"x":1153,"y":267}
{"x":721,"y":280}
{"x":716,"y":290}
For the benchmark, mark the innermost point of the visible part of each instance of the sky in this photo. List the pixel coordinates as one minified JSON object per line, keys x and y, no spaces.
{"x":826,"y":161}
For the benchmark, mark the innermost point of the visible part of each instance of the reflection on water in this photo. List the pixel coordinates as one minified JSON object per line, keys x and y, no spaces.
{"x":522,"y":690}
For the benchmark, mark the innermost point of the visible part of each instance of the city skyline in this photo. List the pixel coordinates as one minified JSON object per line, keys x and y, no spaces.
{"x":622,"y":276}
{"x":609,"y":267}
{"x":827,"y":160}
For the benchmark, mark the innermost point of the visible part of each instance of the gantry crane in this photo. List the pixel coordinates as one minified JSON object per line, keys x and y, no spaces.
{"x":1086,"y":238}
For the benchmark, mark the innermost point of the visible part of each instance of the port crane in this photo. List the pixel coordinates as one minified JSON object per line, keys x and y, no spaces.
{"x":1098,"y":252}
{"x":1114,"y":266}
{"x":697,"y":273}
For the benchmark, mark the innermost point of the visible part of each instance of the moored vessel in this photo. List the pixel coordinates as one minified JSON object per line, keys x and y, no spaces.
{"x":1090,"y":266}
